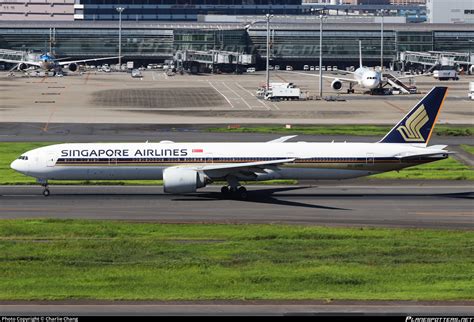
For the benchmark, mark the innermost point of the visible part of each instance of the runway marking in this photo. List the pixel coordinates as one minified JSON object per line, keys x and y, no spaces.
{"x":245,"y":89}
{"x":228,"y":101}
{"x":447,"y":213}
{"x":86,"y":79}
{"x":395,"y":106}
{"x":250,"y":107}
{"x":258,"y":100}
{"x":281,"y":78}
{"x":45,"y":128}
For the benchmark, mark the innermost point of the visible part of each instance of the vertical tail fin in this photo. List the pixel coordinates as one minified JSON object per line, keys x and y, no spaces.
{"x":417,"y":126}
{"x":360,"y":53}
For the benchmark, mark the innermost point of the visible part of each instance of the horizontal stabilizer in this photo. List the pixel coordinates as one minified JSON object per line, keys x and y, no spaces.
{"x":409,"y":155}
{"x":282,"y":139}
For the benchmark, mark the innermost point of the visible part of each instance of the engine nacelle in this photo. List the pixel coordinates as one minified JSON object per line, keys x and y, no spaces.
{"x":22,"y":66}
{"x":179,"y":180}
{"x":72,"y":67}
{"x":471,"y":69}
{"x":336,"y":85}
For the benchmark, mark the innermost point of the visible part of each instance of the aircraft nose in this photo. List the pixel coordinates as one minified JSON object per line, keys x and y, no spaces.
{"x":15,"y":165}
{"x":18,"y":166}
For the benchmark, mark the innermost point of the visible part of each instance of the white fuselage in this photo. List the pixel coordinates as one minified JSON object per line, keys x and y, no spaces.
{"x":367,"y":78}
{"x":147,"y":161}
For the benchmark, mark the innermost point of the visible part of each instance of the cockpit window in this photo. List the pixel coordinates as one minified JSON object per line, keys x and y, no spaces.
{"x":23,"y":157}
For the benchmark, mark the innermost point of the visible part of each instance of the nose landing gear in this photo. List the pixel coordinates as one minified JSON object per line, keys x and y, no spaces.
{"x":44,"y":184}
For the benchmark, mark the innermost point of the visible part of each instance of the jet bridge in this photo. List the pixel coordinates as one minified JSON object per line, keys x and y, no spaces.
{"x":12,"y":54}
{"x":435,"y":59}
{"x":196,"y":61}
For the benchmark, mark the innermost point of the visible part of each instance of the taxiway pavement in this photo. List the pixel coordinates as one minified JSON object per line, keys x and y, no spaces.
{"x":444,"y":205}
{"x":268,"y":308}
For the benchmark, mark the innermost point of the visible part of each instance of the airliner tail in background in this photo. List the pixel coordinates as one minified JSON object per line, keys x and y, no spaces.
{"x":417,"y":126}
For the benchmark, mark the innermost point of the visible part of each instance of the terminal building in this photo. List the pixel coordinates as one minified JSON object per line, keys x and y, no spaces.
{"x":185,"y":10}
{"x":294,"y":44}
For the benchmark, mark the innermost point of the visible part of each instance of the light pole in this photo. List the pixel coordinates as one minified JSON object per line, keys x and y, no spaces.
{"x":267,"y":80}
{"x":119,"y":10}
{"x":381,"y":41}
{"x":321,"y":18}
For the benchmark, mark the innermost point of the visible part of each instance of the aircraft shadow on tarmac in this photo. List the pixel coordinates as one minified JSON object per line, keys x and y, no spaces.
{"x":264,"y":196}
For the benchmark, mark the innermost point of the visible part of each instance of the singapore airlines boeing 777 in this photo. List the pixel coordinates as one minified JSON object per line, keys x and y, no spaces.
{"x":185,"y":167}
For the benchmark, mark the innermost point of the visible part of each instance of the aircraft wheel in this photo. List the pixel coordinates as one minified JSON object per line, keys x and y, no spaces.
{"x":225,"y":190}
{"x":46,"y":192}
{"x":242,"y":191}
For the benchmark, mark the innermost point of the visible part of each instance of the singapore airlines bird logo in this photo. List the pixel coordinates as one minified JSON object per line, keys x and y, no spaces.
{"x":411,"y":130}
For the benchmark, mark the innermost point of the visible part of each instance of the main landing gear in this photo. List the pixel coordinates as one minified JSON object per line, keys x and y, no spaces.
{"x":350,"y":89}
{"x":239,"y":191}
{"x":234,"y":188}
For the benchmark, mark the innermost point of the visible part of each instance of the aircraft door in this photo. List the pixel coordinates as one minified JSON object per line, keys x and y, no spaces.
{"x":370,"y":159}
{"x":208,"y":158}
{"x":50,"y":160}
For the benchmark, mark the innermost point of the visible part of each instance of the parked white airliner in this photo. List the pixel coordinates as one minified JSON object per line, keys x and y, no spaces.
{"x":365,"y":77}
{"x":48,"y":62}
{"x":185,"y":167}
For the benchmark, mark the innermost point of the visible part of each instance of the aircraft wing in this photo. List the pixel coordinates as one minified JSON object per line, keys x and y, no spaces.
{"x":350,"y":80}
{"x":245,"y":168}
{"x":37,"y":64}
{"x":411,"y":76}
{"x":62,"y":63}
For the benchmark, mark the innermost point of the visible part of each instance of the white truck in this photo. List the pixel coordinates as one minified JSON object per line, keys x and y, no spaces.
{"x":471,"y":91}
{"x":445,"y":73}
{"x":283,"y":93}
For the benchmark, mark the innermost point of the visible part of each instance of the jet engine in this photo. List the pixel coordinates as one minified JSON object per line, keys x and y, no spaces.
{"x":72,"y":67}
{"x":336,"y":85}
{"x":179,"y":180}
{"x":22,"y":66}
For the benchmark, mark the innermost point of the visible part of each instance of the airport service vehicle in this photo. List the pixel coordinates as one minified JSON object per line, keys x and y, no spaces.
{"x":283,"y":93}
{"x":471,"y":90}
{"x":306,"y":67}
{"x":136,"y":73}
{"x":277,"y":67}
{"x":186,"y":167}
{"x":47,"y":62}
{"x":311,"y":68}
{"x":445,"y":73}
{"x":251,"y":70}
{"x":289,"y":68}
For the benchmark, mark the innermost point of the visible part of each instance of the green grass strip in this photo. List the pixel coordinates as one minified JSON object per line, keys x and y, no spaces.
{"x":352,"y":130}
{"x":448,"y":169}
{"x":467,"y":148}
{"x":74,"y":259}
